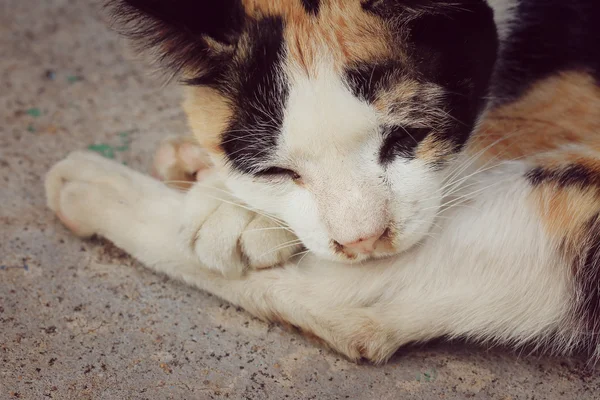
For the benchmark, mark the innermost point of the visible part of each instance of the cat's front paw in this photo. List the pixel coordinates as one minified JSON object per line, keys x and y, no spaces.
{"x":230,"y":238}
{"x":91,"y":194}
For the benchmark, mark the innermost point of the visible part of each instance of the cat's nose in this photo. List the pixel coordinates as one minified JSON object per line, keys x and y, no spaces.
{"x":364,"y":245}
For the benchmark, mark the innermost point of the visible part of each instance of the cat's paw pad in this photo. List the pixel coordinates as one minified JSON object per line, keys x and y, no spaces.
{"x":180,"y":161}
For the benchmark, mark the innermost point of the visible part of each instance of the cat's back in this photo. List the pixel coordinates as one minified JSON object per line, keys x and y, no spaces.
{"x":542,"y":38}
{"x":545,"y":94}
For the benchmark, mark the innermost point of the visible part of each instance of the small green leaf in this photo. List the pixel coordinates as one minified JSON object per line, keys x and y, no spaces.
{"x":31,"y":128}
{"x":34,"y":112}
{"x":74,"y":78}
{"x":103,"y":149}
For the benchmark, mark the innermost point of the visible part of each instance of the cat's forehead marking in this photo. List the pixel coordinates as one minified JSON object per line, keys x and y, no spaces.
{"x":290,"y":57}
{"x":343,"y":28}
{"x":316,"y":73}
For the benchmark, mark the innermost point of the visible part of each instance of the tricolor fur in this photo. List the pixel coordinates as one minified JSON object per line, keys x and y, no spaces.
{"x":380,"y":94}
{"x":463,"y":136}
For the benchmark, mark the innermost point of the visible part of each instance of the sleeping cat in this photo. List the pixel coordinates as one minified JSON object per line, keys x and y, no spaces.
{"x":438,"y":160}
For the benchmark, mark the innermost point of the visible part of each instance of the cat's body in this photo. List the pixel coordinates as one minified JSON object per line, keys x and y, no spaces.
{"x":496,"y":233}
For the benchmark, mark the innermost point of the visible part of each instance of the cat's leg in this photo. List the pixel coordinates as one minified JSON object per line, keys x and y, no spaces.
{"x":92,"y":195}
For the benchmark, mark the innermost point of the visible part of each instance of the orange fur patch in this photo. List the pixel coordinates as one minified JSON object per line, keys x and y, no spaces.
{"x":404,"y":91}
{"x":342,"y":31}
{"x":209,"y":114}
{"x":566,"y":211}
{"x":432,"y":149}
{"x":560,"y":110}
{"x":555,"y":126}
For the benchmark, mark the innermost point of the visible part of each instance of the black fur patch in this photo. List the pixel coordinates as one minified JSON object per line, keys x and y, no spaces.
{"x":311,"y":6}
{"x":259,"y":95}
{"x":456,"y":49}
{"x":569,"y":175}
{"x":587,"y":281}
{"x":548,"y":36}
{"x":247,"y":74}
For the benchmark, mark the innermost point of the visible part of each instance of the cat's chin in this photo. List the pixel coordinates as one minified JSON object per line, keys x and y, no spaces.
{"x":347,"y":257}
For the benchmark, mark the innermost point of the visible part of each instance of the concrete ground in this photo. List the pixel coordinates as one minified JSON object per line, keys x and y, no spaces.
{"x":80,"y":320}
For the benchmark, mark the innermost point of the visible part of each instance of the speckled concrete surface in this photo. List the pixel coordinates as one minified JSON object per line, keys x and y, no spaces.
{"x":79,"y":320}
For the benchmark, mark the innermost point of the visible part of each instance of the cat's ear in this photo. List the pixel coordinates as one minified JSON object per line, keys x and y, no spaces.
{"x":455,"y":45}
{"x":192,"y":38}
{"x":451,"y":40}
{"x":452,"y":43}
{"x":456,"y":41}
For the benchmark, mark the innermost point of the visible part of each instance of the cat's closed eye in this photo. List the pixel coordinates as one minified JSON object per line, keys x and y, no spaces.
{"x":401,"y":141}
{"x":278,"y":172}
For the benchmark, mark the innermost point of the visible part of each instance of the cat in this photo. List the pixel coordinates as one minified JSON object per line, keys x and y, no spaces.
{"x":371,"y":172}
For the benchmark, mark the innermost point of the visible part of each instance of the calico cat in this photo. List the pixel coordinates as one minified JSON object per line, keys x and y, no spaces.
{"x":439,"y":160}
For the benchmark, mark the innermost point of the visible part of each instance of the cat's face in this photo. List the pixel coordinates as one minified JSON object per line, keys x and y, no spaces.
{"x":337,"y":116}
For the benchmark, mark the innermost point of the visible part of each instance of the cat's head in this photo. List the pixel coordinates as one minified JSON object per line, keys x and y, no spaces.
{"x":337,"y":116}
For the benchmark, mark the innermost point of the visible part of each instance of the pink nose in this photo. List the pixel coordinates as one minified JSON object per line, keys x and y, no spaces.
{"x":364,"y":246}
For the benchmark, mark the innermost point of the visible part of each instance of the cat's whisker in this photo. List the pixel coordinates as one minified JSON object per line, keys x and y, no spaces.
{"x":302,"y":258}
{"x":267,"y":148}
{"x":469,"y":196}
{"x":257,"y":107}
{"x":274,"y":219}
{"x":411,"y":136}
{"x":246,"y":139}
{"x":445,"y":195}
{"x":466,"y":196}
{"x":292,"y":243}
{"x":462,"y":205}
{"x":273,"y":228}
{"x":472,"y":159}
{"x":456,"y":184}
{"x":300,"y":253}
{"x":172,"y":182}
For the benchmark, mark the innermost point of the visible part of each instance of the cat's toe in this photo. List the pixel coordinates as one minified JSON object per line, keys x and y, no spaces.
{"x":267,"y":243}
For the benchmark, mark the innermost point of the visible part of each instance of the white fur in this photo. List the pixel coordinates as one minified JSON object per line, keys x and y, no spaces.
{"x":487,"y":271}
{"x":96,"y":196}
{"x":504,"y":16}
